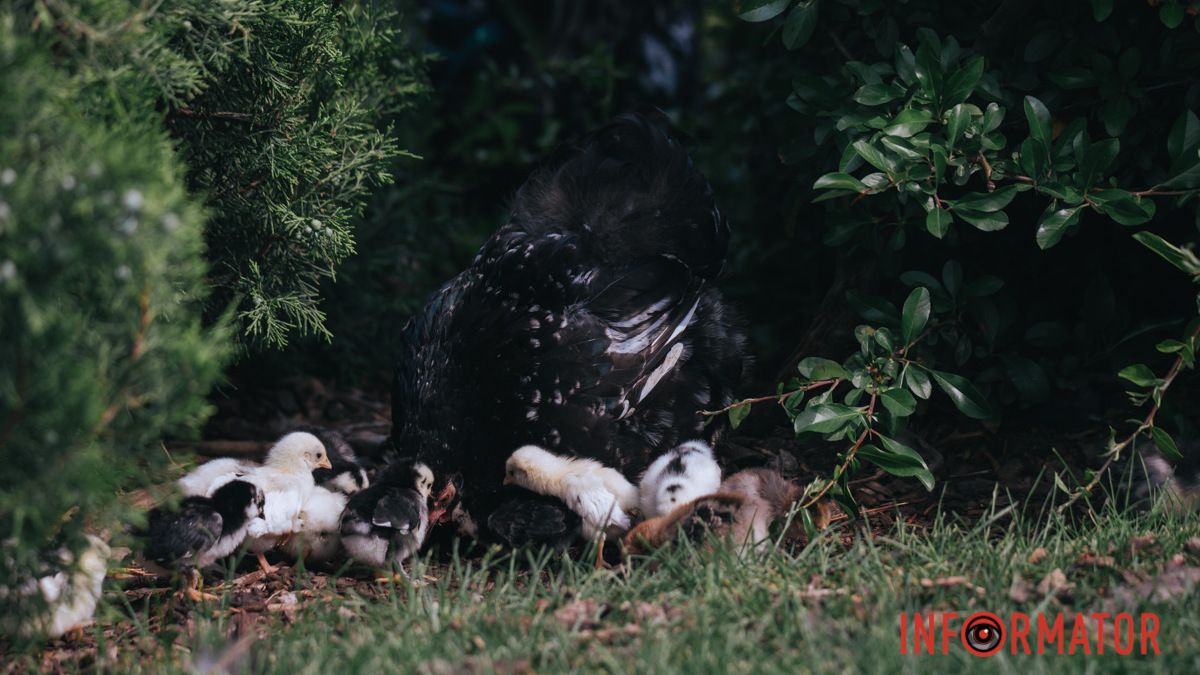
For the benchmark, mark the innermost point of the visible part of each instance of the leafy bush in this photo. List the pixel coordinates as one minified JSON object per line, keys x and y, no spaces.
{"x":917,"y":154}
{"x":102,"y":284}
{"x":281,"y":109}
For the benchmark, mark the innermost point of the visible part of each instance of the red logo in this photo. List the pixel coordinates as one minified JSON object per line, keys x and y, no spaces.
{"x":984,"y":633}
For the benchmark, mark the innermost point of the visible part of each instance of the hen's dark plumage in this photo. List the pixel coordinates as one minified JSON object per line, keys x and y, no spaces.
{"x":588,"y":324}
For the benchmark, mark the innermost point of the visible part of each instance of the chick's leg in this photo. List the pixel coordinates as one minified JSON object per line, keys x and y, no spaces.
{"x":265,"y":566}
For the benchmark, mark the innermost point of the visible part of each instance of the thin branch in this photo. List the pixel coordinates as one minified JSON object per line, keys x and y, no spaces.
{"x":816,"y":384}
{"x":1146,"y":424}
{"x":849,"y":455}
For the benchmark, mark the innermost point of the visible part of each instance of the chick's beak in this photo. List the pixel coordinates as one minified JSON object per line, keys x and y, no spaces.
{"x":508,"y":480}
{"x":443,"y":503}
{"x":324,"y":463}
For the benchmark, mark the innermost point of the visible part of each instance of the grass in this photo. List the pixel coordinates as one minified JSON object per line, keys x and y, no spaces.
{"x":832,"y":606}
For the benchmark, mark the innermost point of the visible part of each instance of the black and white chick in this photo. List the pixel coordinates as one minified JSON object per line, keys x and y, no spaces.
{"x":286,"y":481}
{"x":678,"y":476}
{"x":346,"y":474}
{"x":589,"y":325}
{"x":202,"y":530}
{"x":386,"y":524}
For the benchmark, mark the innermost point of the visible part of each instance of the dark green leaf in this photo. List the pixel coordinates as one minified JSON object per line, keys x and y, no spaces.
{"x":878,"y":94}
{"x":817,"y":368}
{"x":1182,"y":258}
{"x":899,"y":402}
{"x":1185,"y":134}
{"x":1184,"y":171}
{"x":987,"y":201}
{"x":916,"y":278}
{"x":799,"y":26}
{"x":906,"y":64}
{"x":983,"y":286}
{"x":937,"y":222}
{"x":992,"y":117}
{"x":915,"y":314}
{"x":897,"y":450}
{"x":1054,"y":224}
{"x":988,"y":222}
{"x":873,"y":308}
{"x":1166,"y":444}
{"x":908,"y":122}
{"x":1139,"y":374}
{"x":826,"y":418}
{"x":839,"y":181}
{"x":1171,"y":14}
{"x":874,"y":157}
{"x":1028,"y":377}
{"x":1129,"y":211}
{"x":918,"y":382}
{"x":952,"y":276}
{"x":957,"y":119}
{"x":1039,"y":122}
{"x":969,"y":400}
{"x":736,"y":415}
{"x":960,"y":85}
{"x":1101,"y":9}
{"x":755,"y":11}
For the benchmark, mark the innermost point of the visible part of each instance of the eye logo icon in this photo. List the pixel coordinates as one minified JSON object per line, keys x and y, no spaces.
{"x":983,"y":634}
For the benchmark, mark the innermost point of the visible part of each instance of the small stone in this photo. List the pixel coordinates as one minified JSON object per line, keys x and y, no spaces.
{"x":8,"y":176}
{"x":124,"y":273}
{"x":68,"y":182}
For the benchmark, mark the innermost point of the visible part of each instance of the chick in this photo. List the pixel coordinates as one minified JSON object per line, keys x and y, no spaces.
{"x":677,"y":477}
{"x":202,"y":530}
{"x":209,"y":476}
{"x":742,"y":511}
{"x":317,"y":538}
{"x":286,"y":481}
{"x":386,"y":524}
{"x":345,"y":474}
{"x":600,"y":495}
{"x":57,"y":598}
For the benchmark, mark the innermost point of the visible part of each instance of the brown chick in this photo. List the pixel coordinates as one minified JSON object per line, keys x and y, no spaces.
{"x":742,"y":511}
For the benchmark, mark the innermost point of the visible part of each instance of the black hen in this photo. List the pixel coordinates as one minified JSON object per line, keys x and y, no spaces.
{"x":588,"y":325}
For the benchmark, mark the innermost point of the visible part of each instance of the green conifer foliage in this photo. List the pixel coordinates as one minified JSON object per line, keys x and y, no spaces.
{"x":281,"y":110}
{"x":102,"y":286}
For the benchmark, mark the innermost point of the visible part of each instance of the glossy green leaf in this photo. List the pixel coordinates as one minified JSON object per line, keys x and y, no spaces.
{"x":960,"y":85}
{"x":987,"y":222}
{"x":1166,"y":444}
{"x":817,"y":368}
{"x":1054,"y":225}
{"x":987,"y":202}
{"x":874,"y":157}
{"x":1101,"y":9}
{"x":839,"y":181}
{"x":1038,"y":118}
{"x":1185,"y":134}
{"x":755,"y":11}
{"x":915,"y":314}
{"x":1182,"y":258}
{"x":826,"y":418}
{"x":1139,"y":374}
{"x":1171,"y":13}
{"x":878,"y":94}
{"x":963,"y":394}
{"x":898,"y":402}
{"x":957,"y":119}
{"x":918,"y":468}
{"x":938,"y":222}
{"x":800,"y":24}
{"x":738,"y":414}
{"x":918,"y":382}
